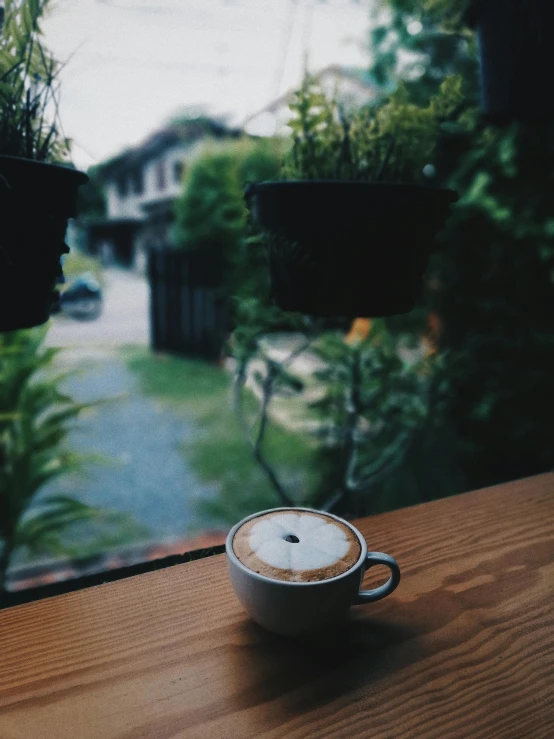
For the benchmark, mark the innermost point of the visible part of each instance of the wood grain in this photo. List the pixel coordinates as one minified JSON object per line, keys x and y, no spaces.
{"x":463,"y":648}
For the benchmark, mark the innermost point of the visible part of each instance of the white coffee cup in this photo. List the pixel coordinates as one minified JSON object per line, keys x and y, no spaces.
{"x":291,"y":608}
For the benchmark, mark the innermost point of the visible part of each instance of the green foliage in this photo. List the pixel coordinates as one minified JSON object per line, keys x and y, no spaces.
{"x":495,"y":298}
{"x":491,"y":284}
{"x":392,"y":141}
{"x":448,"y":13}
{"x":219,"y":453}
{"x":379,"y":400}
{"x":41,"y":530}
{"x":375,"y":406}
{"x":35,"y":419}
{"x":28,"y":86}
{"x":211,"y":212}
{"x":421,"y":44}
{"x":257,"y":317}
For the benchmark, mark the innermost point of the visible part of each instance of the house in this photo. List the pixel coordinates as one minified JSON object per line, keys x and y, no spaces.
{"x":351,"y":87}
{"x":141,"y":186}
{"x":142,"y":183}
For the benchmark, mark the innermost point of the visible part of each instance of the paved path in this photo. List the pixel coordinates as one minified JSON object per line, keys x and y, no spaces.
{"x":146,"y":474}
{"x":124,"y":318}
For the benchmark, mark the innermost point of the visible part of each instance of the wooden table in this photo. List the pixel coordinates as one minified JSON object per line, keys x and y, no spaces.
{"x":463,"y":648}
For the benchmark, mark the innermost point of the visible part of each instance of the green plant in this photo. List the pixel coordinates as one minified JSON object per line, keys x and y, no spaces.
{"x":376,"y":420}
{"x":211,"y":213}
{"x":393,"y":141}
{"x":375,"y":406}
{"x":29,"y":125}
{"x":219,"y":454}
{"x":491,"y":284}
{"x":35,"y":418}
{"x":421,"y":44}
{"x":449,"y":13}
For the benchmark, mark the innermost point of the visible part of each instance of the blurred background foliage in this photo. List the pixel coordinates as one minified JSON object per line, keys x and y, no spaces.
{"x":486,"y":311}
{"x":36,"y":417}
{"x":211,"y":214}
{"x":491,"y":286}
{"x":453,"y":396}
{"x":473,"y":360}
{"x":473,"y":405}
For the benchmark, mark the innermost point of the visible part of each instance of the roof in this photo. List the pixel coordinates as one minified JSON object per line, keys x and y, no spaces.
{"x":356,"y":78}
{"x":178,"y":132}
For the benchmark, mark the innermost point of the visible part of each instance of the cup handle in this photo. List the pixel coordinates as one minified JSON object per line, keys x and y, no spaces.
{"x":379,"y":558}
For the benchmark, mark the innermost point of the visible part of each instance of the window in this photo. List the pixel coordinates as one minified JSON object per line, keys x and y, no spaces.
{"x":160,"y":175}
{"x":122,"y":184}
{"x":137,"y":182}
{"x":178,"y":171}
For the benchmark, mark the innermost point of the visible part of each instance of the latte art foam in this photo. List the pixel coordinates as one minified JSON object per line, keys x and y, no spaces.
{"x":297,"y":546}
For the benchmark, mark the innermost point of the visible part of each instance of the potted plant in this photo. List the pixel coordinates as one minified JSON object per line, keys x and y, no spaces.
{"x":515,"y":51}
{"x":37,"y":193}
{"x":349,"y":230}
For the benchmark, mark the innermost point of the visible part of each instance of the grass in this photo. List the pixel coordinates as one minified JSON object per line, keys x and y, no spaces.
{"x":220,"y":455}
{"x":75,"y":263}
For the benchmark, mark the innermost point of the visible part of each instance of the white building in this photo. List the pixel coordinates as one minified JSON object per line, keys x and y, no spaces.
{"x":141,"y":187}
{"x":142,"y":183}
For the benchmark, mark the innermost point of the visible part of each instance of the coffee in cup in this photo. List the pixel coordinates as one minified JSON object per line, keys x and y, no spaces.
{"x":296,"y":546}
{"x":296,"y":570}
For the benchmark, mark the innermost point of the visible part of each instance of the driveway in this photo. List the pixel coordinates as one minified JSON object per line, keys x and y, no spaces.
{"x":145,"y":473}
{"x":124,"y":318}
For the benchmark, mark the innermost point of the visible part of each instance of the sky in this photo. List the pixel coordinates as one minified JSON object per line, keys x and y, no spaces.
{"x":131,"y":64}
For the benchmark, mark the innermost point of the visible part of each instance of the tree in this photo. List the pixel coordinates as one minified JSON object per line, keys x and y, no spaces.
{"x":495,"y":297}
{"x":211,"y":212}
{"x":491,"y":284}
{"x":409,"y":43}
{"x":375,"y":407}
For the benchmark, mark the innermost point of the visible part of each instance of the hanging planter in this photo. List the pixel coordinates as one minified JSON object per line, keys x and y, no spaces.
{"x":516,"y":58}
{"x":36,"y":198}
{"x":350,"y":230}
{"x":347,"y":248}
{"x":36,"y":201}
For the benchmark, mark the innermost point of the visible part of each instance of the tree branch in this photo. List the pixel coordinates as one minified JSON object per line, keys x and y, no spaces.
{"x":238,"y":385}
{"x":273,"y":370}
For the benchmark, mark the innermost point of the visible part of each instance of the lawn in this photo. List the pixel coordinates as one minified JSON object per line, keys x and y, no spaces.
{"x":220,"y":455}
{"x":75,"y":263}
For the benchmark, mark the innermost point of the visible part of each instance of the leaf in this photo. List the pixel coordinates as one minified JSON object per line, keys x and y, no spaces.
{"x":56,"y":514}
{"x":27,"y":19}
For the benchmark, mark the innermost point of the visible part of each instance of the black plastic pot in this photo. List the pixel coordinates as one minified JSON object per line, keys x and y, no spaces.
{"x":516,"y":49}
{"x":36,"y":201}
{"x":347,"y":248}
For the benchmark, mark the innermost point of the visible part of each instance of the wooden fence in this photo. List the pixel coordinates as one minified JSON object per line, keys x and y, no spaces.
{"x":188,"y":306}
